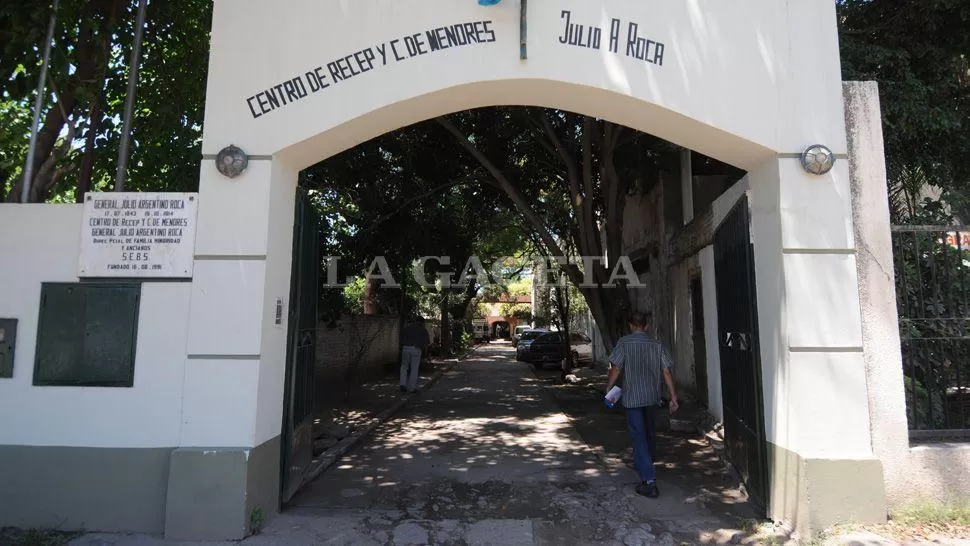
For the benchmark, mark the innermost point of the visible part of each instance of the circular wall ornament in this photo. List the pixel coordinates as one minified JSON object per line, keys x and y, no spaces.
{"x":232,"y":161}
{"x":818,"y":159}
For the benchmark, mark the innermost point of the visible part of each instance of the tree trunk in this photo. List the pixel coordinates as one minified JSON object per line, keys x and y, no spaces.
{"x":562,"y":309}
{"x":87,"y":59}
{"x":446,"y":322}
{"x":608,"y":304}
{"x":370,"y":297}
{"x":87,"y":162}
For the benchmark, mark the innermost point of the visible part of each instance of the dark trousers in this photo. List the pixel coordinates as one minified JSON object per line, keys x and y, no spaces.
{"x":642,"y":425}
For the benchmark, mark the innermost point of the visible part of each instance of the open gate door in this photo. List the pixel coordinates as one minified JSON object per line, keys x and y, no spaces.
{"x":741,"y":386}
{"x":297,"y":437}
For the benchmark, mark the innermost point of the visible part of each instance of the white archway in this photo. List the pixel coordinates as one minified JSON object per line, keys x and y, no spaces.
{"x":751,"y":83}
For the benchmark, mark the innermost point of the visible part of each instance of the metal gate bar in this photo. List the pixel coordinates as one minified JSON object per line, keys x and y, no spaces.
{"x":298,"y":397}
{"x":741,"y":383}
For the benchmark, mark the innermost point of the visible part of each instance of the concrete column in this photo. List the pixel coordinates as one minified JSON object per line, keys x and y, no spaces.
{"x":877,"y":284}
{"x":816,"y":409}
{"x":687,"y":185}
{"x":227,"y":464}
{"x":926,"y":473}
{"x":712,"y":349}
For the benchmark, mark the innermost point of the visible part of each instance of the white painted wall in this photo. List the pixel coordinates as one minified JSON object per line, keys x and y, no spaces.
{"x":751,"y":84}
{"x":272,"y":365}
{"x":738,"y":81}
{"x":715,"y":402}
{"x":808,"y":306}
{"x":683,"y":347}
{"x":45,"y":249}
{"x":236,"y":351}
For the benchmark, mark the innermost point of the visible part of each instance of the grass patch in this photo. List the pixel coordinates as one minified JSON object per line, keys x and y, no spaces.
{"x":935,"y":514}
{"x":926,"y":520}
{"x":10,"y":536}
{"x":918,"y":522}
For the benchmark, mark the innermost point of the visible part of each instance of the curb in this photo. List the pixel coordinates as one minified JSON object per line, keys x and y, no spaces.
{"x":332,"y":455}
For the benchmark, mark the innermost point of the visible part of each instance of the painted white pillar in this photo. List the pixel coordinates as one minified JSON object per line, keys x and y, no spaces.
{"x":711,"y":338}
{"x":816,"y":406}
{"x":228,"y":461}
{"x":235,"y":350}
{"x":686,"y":185}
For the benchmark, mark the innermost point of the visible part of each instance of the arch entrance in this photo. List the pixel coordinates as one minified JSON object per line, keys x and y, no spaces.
{"x":293,"y":85}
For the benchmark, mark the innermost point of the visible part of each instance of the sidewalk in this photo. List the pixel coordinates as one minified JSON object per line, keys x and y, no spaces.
{"x":340,"y":413}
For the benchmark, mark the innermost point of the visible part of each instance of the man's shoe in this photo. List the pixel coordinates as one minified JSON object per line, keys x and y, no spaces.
{"x":648,"y":489}
{"x":404,"y":389}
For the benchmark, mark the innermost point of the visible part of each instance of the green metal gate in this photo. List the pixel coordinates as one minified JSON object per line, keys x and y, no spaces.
{"x":741,"y":387}
{"x":297,"y":437}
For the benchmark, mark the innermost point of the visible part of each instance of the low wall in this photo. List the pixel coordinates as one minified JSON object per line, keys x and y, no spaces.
{"x":91,"y":457}
{"x":364,"y":345}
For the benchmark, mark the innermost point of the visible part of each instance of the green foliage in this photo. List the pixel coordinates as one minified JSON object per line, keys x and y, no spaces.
{"x":913,"y":515}
{"x":86,"y":93}
{"x":919,"y":53}
{"x":933,"y":297}
{"x":354,"y":296}
{"x":406,"y":195}
{"x":924,"y":406}
{"x":256,"y":519}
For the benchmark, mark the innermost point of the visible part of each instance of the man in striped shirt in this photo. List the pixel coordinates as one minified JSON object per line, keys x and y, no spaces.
{"x":643,"y":361}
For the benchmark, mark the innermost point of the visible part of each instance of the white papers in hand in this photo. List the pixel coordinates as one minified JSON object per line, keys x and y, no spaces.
{"x":614,"y":394}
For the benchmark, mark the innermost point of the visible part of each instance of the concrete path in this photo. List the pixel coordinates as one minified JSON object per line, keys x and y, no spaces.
{"x":483,"y":457}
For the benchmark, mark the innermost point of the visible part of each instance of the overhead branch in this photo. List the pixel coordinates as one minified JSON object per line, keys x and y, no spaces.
{"x":514,"y":194}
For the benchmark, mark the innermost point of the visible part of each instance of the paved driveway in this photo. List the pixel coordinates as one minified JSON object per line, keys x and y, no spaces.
{"x":485,"y":456}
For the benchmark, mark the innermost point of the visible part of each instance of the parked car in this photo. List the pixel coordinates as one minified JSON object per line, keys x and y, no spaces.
{"x":548,"y":348}
{"x":519,"y":330}
{"x":526,"y":338}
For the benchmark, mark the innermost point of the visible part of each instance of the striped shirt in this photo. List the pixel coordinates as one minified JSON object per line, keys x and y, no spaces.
{"x":642,"y":360}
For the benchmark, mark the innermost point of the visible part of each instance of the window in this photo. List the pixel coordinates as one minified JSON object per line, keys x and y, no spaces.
{"x":554,"y":337}
{"x":86,"y":334}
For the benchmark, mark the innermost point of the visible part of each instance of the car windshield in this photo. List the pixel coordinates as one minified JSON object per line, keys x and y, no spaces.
{"x":531,"y":334}
{"x":550,"y":337}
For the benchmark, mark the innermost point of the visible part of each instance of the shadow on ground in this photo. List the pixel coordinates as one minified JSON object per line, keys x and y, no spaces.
{"x":496,"y":444}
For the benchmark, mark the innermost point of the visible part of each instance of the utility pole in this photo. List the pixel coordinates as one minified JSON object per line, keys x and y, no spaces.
{"x":41,"y":87}
{"x":130,"y":99}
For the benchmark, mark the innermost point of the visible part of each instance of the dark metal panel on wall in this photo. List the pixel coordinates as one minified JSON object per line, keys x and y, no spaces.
{"x":87,"y":334}
{"x":8,"y":344}
{"x":741,"y":380}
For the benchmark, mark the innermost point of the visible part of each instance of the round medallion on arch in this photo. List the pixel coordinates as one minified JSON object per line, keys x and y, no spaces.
{"x":232,"y":161}
{"x":818,"y":159}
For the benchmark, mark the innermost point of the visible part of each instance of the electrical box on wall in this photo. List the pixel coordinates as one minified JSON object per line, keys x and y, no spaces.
{"x":8,"y":341}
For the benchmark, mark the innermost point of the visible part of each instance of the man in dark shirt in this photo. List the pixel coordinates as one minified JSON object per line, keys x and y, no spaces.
{"x":415,"y":339}
{"x":643,"y":361}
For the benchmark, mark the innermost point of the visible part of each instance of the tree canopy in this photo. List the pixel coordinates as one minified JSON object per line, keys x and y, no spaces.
{"x":80,"y":127}
{"x":919,"y":53}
